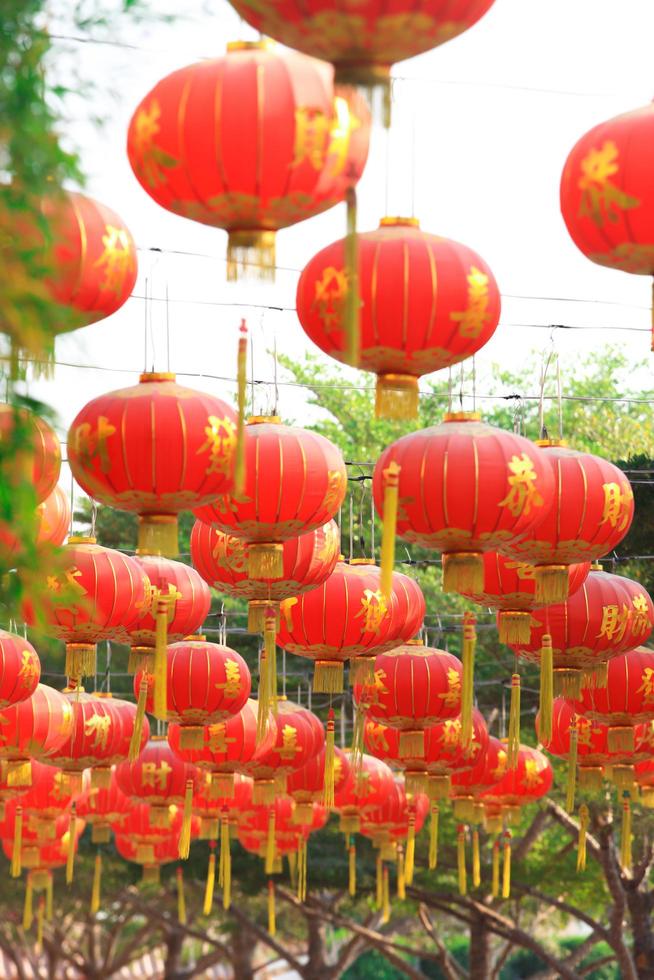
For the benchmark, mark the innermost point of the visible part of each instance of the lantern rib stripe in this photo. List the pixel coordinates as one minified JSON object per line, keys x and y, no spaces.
{"x":218,"y":104}
{"x":83,"y":249}
{"x":427,"y":339}
{"x":582,"y":519}
{"x":373,"y":292}
{"x":405,"y":294}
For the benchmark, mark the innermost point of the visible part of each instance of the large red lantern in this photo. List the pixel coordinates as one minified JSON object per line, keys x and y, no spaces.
{"x":158,"y":777}
{"x":102,"y":806}
{"x":31,"y":829}
{"x":53,"y":518}
{"x":306,"y":786}
{"x":222,"y":561}
{"x":364,"y":790}
{"x":33,"y":728}
{"x":96,"y":594}
{"x":244,"y":162}
{"x":464,"y":488}
{"x":155,"y":448}
{"x":606,"y":616}
{"x":348,"y":617}
{"x":50,"y":796}
{"x":626,"y":700}
{"x":530,"y":780}
{"x":467,"y":785}
{"x":34,"y":445}
{"x":296,"y":742}
{"x":295,"y":482}
{"x":447,"y":309}
{"x":151,"y":856}
{"x":143,"y":826}
{"x":20,"y":669}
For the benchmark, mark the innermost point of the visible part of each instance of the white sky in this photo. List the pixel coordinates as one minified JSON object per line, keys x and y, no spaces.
{"x":494,"y":114}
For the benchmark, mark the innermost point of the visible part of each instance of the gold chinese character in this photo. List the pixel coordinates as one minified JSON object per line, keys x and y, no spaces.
{"x":451,"y":732}
{"x":217,"y":740}
{"x":524,"y":572}
{"x":221,"y":442}
{"x":600,"y":198}
{"x":523,"y":495}
{"x":98,"y":727}
{"x":289,"y":748}
{"x":232,"y":684}
{"x":500,"y":771}
{"x":89,"y":442}
{"x":376,"y":737}
{"x":373,"y":610}
{"x":329,"y":300}
{"x":151,"y":159}
{"x":647,"y":686}
{"x":532,"y":775}
{"x":154,"y":775}
{"x":640,"y":620}
{"x":452,"y":696}
{"x":311,"y":137}
{"x":617,"y":505}
{"x":363,"y":787}
{"x":286,"y":610}
{"x":116,"y":260}
{"x":29,"y":669}
{"x":340,"y":135}
{"x":614,"y":622}
{"x":472,"y":320}
{"x":335,"y":490}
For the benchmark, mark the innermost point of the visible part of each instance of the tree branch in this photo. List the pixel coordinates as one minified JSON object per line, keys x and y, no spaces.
{"x":522,"y":846}
{"x":449,"y":966}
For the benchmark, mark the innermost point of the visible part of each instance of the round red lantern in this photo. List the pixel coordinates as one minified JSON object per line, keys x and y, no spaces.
{"x":102,"y":806}
{"x":295,"y":482}
{"x":296,"y":742}
{"x":530,"y":780}
{"x":32,"y":829}
{"x":349,"y":618}
{"x":510,"y":587}
{"x":20,"y":669}
{"x":222,"y":561}
{"x":606,"y":616}
{"x":306,"y":786}
{"x":33,"y":728}
{"x":364,"y":790}
{"x":447,"y":310}
{"x":241,"y":161}
{"x":35,"y":447}
{"x":50,"y":795}
{"x":53,"y":518}
{"x":144,"y":825}
{"x":469,"y":784}
{"x":158,"y":777}
{"x":626,"y":699}
{"x":155,"y":448}
{"x":151,"y":856}
{"x":464,"y":488}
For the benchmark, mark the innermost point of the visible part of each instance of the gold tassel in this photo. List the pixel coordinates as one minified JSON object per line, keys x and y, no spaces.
{"x":438,"y":786}
{"x":391,"y":480}
{"x":80,"y":660}
{"x":386,"y":897}
{"x":463,"y":572}
{"x":620,"y":738}
{"x":144,"y":853}
{"x":16,"y":865}
{"x":476,"y":860}
{"x":352,"y":870}
{"x":356,"y":759}
{"x":461,"y":859}
{"x":412,"y":745}
{"x":19,"y":772}
{"x":157,"y":535}
{"x":551,"y":584}
{"x":40,"y":915}
{"x":506,"y":869}
{"x":211,"y":879}
{"x":250,"y":255}
{"x":97,"y":880}
{"x":226,"y":858}
{"x":181,"y":899}
{"x":241,"y":378}
{"x":72,"y":840}
{"x":591,"y":778}
{"x":100,"y":777}
{"x":330,"y":759}
{"x":410,"y":858}
{"x":379,"y":883}
{"x":151,"y":875}
{"x":265,"y":560}
{"x":362,"y":670}
{"x":270,"y":645}
{"x":272,"y":922}
{"x":305,"y":869}
{"x":160,"y":699}
{"x":571,"y":786}
{"x":625,"y":839}
{"x":514,"y":627}
{"x":463,"y":809}
{"x":263,"y":705}
{"x":495,"y":887}
{"x":137,"y":733}
{"x":352,"y":300}
{"x":433,"y":838}
{"x":396,"y":396}
{"x":468,"y":658}
{"x":328,"y":676}
{"x":546,"y":688}
{"x":401,"y":875}
{"x":415,"y":781}
{"x":270,"y":842}
{"x":513,"y":747}
{"x":584,"y":818}
{"x":185,"y":835}
{"x":28,"y":913}
{"x":48,"y":897}
{"x":568,"y":683}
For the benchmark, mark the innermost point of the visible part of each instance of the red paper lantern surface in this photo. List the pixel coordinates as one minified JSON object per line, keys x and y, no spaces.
{"x":510,"y":587}
{"x":20,"y":669}
{"x":45,"y":856}
{"x":51,"y":792}
{"x":607,"y":201}
{"x":36,"y":727}
{"x":142,"y":824}
{"x":528,"y":781}
{"x":102,"y":806}
{"x":7,"y":791}
{"x":447,"y":308}
{"x":348,"y":617}
{"x":39,"y":447}
{"x":644,"y":777}
{"x":33,"y":830}
{"x":606,"y":616}
{"x":149,"y":855}
{"x":244,"y":162}
{"x":157,"y":777}
{"x":467,"y":785}
{"x":626,"y":699}
{"x":363,"y":791}
{"x":391,"y":821}
{"x":53,"y":518}
{"x":464,"y":488}
{"x":206,"y":683}
{"x":155,"y":448}
{"x":296,"y":742}
{"x":222,"y":561}
{"x":306,"y":785}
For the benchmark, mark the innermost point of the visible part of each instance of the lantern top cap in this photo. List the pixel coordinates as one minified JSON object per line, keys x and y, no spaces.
{"x":551,"y":443}
{"x":396,"y":221}
{"x":262,"y":419}
{"x":102,"y":694}
{"x":363,"y":561}
{"x":158,"y":738}
{"x":261,"y":44}
{"x":81,"y":539}
{"x":462,"y":417}
{"x":195,"y":638}
{"x":415,"y":642}
{"x":148,"y":377}
{"x":596,"y":567}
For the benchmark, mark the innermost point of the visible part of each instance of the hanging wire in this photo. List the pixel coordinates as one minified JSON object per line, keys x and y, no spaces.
{"x":558,"y":395}
{"x":167,"y":330}
{"x":276,"y":409}
{"x":372,"y":525}
{"x":145,"y":327}
{"x":351,"y":525}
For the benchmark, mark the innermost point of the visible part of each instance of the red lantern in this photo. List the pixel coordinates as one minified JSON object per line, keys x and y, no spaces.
{"x":157,"y":777}
{"x":8,"y":792}
{"x":530,"y":780}
{"x":469,"y":784}
{"x":155,"y":449}
{"x":35,"y":727}
{"x":626,"y":699}
{"x":306,"y":785}
{"x":20,"y":669}
{"x":448,"y":308}
{"x":50,"y":795}
{"x":644,"y":777}
{"x":295,"y":483}
{"x":294,"y":745}
{"x":348,"y":617}
{"x":143,"y":824}
{"x":464,"y":488}
{"x":239,"y":161}
{"x":53,"y":518}
{"x":222,"y":561}
{"x":393,"y":819}
{"x":510,"y":587}
{"x":102,"y":806}
{"x":40,"y":855}
{"x":364,"y":790}
{"x":39,"y":448}
{"x":151,"y":856}
{"x":607,"y":616}
{"x":33,"y":830}
{"x":103,"y":590}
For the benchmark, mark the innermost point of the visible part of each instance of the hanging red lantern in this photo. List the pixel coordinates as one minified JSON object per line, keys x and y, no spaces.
{"x":348,"y":618}
{"x":447,"y":310}
{"x":33,"y":728}
{"x":53,"y":518}
{"x":158,"y":777}
{"x":530,"y":780}
{"x":32,"y":830}
{"x":469,"y":784}
{"x":306,"y":786}
{"x":8,"y":792}
{"x":151,"y":856}
{"x":510,"y":587}
{"x":626,"y":700}
{"x":20,"y":669}
{"x":222,"y":561}
{"x":143,"y":825}
{"x":219,"y":167}
{"x":50,"y":795}
{"x":39,"y":453}
{"x":102,"y":589}
{"x":296,"y":742}
{"x":364,"y":790}
{"x":102,"y":806}
{"x":606,"y":616}
{"x":464,"y":488}
{"x":155,"y":449}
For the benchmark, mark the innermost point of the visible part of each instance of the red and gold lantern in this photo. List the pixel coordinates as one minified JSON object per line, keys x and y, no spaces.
{"x":34,"y":728}
{"x":530,"y":780}
{"x":625,"y":700}
{"x":53,"y":518}
{"x":158,"y":777}
{"x":306,"y":786}
{"x":295,"y":744}
{"x":102,"y":806}
{"x":364,"y":790}
{"x":20,"y":669}
{"x":467,"y":785}
{"x":34,"y":446}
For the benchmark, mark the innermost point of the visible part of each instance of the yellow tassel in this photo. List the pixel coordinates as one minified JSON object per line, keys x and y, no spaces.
{"x":506,"y":869}
{"x":391,"y":479}
{"x":397,"y":396}
{"x":241,"y":377}
{"x":412,"y":745}
{"x":72,"y":840}
{"x":185,"y":835}
{"x":48,"y":897}
{"x":625,"y":839}
{"x":328,"y":677}
{"x":514,"y":627}
{"x":352,"y":300}
{"x":584,"y":818}
{"x":476,"y":860}
{"x":463,"y":572}
{"x":401,"y":875}
{"x":296,"y":871}
{"x":16,"y":866}
{"x":571,"y":785}
{"x":160,"y":699}
{"x":386,"y":897}
{"x":211,"y":880}
{"x":305,"y":869}
{"x":415,"y":782}
{"x":546,"y":688}
{"x":265,"y":560}
{"x":357,"y":741}
{"x":225,"y":850}
{"x":438,"y":786}
{"x":352,"y":868}
{"x":468,"y":657}
{"x":272,"y":923}
{"x":620,"y":738}
{"x":19,"y":773}
{"x":181,"y":899}
{"x":495,"y":888}
{"x":151,"y":875}
{"x":461,"y":859}
{"x":137,"y":733}
{"x":270,"y":842}
{"x":330,"y":759}
{"x":513,"y":747}
{"x":410,"y":859}
{"x":28,"y":913}
{"x":263,"y":705}
{"x":40,"y":915}
{"x":433,"y":838}
{"x":157,"y":535}
{"x":97,"y":880}
{"x":80,"y":660}
{"x":379,"y":883}
{"x":551,"y":584}
{"x":270,"y":644}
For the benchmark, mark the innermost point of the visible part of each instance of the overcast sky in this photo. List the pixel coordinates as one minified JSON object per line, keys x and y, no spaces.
{"x":492,"y":116}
